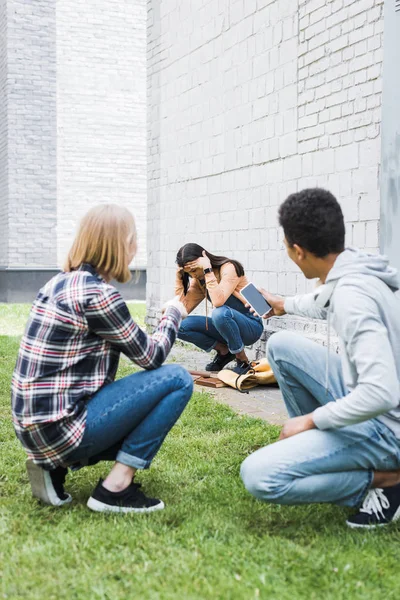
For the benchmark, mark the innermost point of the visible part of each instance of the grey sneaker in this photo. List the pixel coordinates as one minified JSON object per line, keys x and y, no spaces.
{"x":48,"y":486}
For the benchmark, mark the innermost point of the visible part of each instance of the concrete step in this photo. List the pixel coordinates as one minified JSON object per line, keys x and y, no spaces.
{"x":312,"y":329}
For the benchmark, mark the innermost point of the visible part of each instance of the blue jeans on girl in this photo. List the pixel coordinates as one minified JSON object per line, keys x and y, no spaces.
{"x":231,"y":324}
{"x":128,"y":420}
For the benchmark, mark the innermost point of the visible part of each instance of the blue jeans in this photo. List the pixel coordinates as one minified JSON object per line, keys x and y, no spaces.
{"x":128,"y":420}
{"x":227,"y":325}
{"x":334,"y":465}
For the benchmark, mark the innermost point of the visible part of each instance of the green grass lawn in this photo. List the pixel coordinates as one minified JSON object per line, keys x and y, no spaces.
{"x":213,"y":541}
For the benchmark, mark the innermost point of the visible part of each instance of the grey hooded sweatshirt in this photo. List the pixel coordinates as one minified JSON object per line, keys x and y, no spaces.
{"x":359,"y":299}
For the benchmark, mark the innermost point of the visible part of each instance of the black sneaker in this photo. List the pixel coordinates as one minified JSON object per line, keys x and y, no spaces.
{"x":48,"y":486}
{"x":242,"y":367}
{"x":380,"y":507}
{"x":131,"y":499}
{"x":220,"y":361}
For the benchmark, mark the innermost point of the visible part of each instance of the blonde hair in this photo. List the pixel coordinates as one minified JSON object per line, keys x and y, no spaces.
{"x":103,"y":239}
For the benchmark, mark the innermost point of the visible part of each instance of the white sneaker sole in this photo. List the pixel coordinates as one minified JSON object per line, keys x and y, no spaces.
{"x":396,"y":517}
{"x":357,"y":526}
{"x":42,"y":486}
{"x":98,"y":506}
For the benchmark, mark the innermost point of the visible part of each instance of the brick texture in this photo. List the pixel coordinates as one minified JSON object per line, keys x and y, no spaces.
{"x":101,"y":112}
{"x":249,"y":101}
{"x":3,"y":136}
{"x":31,"y":132}
{"x":72,"y":121}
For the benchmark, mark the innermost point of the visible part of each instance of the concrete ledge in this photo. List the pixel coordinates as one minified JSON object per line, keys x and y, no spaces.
{"x":313,"y":329}
{"x":22,"y":285}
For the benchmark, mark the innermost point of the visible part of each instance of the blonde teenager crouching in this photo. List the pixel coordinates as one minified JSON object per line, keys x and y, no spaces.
{"x":67,"y":408}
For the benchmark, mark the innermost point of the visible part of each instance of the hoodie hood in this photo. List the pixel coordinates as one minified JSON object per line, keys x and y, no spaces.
{"x":356,"y":262}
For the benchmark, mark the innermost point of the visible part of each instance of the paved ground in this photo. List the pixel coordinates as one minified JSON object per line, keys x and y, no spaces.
{"x":262,"y":402}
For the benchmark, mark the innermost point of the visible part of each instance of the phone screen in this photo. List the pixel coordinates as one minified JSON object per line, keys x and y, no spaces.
{"x":255,"y":299}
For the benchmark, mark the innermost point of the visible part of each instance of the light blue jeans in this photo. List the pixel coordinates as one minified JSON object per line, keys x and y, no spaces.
{"x":335,"y":465}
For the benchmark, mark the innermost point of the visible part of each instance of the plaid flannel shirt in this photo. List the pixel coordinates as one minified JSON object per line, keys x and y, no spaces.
{"x":77,"y":328}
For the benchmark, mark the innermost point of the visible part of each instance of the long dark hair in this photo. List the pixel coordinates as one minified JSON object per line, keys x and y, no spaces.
{"x":190,"y":252}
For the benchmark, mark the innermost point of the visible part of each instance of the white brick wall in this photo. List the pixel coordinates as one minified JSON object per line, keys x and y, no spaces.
{"x":72,"y":121}
{"x":101,"y":112}
{"x":248,"y":102}
{"x":339,"y":85}
{"x":31,"y":132}
{"x":3,"y":135}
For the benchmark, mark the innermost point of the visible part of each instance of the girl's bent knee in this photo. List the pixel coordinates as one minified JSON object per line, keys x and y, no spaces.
{"x":182,"y":377}
{"x":220,"y":313}
{"x":183,"y":332}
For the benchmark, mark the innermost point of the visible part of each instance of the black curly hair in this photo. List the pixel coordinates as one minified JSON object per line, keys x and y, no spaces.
{"x":313,"y":220}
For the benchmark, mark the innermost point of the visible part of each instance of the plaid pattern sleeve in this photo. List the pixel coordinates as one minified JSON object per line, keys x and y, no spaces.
{"x":108,"y":317}
{"x":77,"y":328}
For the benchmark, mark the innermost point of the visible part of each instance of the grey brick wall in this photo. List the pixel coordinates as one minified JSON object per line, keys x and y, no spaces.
{"x":28,"y":128}
{"x":31,"y":115}
{"x":73,"y":121}
{"x":249,"y":101}
{"x":3,"y":135}
{"x":101,"y":112}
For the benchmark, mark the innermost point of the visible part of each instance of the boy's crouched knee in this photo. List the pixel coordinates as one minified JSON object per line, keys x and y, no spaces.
{"x":251,"y":476}
{"x":263,"y":482}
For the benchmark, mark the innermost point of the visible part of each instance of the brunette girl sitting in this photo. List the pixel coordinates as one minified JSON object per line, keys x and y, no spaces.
{"x":217,"y":279}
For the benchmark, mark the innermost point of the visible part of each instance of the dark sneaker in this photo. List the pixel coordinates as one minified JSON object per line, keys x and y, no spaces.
{"x":48,"y":486}
{"x":220,"y":361}
{"x":132,"y":499}
{"x":242,"y":367}
{"x":380,"y":507}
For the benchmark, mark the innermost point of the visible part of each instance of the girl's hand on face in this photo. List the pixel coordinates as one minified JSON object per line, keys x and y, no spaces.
{"x":191,"y":267}
{"x":204,"y":261}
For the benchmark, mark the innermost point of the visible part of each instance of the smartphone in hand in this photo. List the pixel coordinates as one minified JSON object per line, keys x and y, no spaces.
{"x":256,"y":300}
